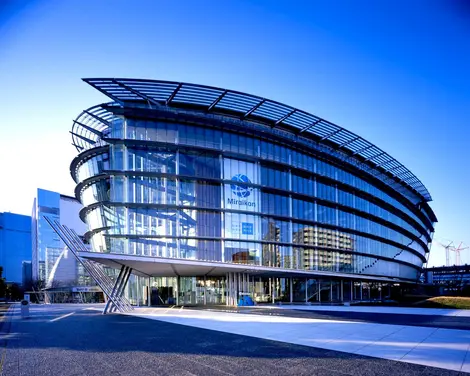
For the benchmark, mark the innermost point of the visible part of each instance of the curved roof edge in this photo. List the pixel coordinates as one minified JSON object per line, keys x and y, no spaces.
{"x":246,"y":107}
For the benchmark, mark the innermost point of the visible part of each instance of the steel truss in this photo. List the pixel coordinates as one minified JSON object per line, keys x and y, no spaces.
{"x":114,"y":291}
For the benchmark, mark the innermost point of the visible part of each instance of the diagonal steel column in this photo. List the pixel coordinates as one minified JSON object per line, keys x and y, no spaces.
{"x":120,"y":291}
{"x":108,"y":303}
{"x":75,"y":245}
{"x":118,"y":288}
{"x":99,"y":270}
{"x":104,"y":277}
{"x":98,"y":275}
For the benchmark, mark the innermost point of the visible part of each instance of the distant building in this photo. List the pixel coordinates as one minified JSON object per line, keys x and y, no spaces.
{"x":52,"y":262}
{"x":451,"y":279}
{"x":15,"y":245}
{"x":320,"y":239}
{"x":27,"y":272}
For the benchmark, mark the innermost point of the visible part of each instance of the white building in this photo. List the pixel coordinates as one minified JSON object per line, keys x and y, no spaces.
{"x":52,"y":262}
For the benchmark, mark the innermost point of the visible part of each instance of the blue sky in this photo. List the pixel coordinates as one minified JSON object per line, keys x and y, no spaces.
{"x":395,"y":72}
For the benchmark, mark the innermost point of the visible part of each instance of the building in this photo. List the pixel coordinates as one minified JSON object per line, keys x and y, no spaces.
{"x":52,"y":263}
{"x":27,"y":274}
{"x":15,"y":245}
{"x":198,"y":188}
{"x":453,"y":280}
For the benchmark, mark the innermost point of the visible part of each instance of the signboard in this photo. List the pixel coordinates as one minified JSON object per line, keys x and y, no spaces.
{"x":86,"y":289}
{"x":240,"y":194}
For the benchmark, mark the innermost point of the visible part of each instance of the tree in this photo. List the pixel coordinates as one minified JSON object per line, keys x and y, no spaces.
{"x":15,"y":292}
{"x":3,"y":284}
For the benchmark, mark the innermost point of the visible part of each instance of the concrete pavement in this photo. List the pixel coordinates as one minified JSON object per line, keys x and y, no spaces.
{"x":377,"y":315}
{"x":375,"y":309}
{"x":71,"y":340}
{"x":443,"y":348}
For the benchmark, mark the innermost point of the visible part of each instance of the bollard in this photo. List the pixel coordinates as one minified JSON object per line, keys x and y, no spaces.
{"x":24,"y":309}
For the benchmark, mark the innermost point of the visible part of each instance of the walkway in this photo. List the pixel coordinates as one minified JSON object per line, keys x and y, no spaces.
{"x":443,"y":348}
{"x":453,"y":319}
{"x":375,"y":309}
{"x":72,"y":340}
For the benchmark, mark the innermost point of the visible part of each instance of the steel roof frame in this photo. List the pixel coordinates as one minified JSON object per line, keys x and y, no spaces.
{"x":247,"y":107}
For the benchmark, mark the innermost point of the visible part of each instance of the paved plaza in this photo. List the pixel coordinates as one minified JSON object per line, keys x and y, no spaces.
{"x":431,"y":346}
{"x":78,"y":340}
{"x":435,"y":318}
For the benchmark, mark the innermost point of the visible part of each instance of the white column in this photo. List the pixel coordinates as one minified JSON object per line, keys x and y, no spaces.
{"x":238,"y":284}
{"x":226,"y":289}
{"x":148,"y":292}
{"x":177,"y":289}
{"x":205,"y":291}
{"x":232,"y":288}
{"x":272,"y":289}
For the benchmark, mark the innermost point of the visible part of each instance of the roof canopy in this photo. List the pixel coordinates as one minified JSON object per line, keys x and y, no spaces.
{"x":246,"y":107}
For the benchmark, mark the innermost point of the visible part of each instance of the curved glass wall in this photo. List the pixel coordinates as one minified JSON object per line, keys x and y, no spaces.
{"x":191,"y":192}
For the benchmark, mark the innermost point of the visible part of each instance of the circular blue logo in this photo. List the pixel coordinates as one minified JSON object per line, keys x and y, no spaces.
{"x":241,"y":190}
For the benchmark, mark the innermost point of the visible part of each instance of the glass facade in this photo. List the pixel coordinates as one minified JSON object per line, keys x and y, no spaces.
{"x":47,"y":242}
{"x":52,"y":263}
{"x":15,"y":247}
{"x":230,"y":195}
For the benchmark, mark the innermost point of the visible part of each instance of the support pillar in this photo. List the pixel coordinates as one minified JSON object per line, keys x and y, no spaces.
{"x":342,"y":297}
{"x":234,"y":288}
{"x":229,"y":289}
{"x":319,"y":291}
{"x":237,"y":288}
{"x":149,"y":289}
{"x":291,"y":290}
{"x":360,"y":290}
{"x":205,"y":291}
{"x":113,"y":291}
{"x":271,"y":280}
{"x":124,"y":285}
{"x":120,"y":290}
{"x":270,"y":290}
{"x":306,"y":290}
{"x":178,"y":284}
{"x":226,"y":289}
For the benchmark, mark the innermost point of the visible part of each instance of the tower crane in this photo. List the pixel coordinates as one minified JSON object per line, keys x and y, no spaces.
{"x":447,"y":247}
{"x":457,"y":253}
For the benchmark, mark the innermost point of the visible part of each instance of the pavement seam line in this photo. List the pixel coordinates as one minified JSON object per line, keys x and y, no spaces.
{"x":419,"y":343}
{"x":378,"y":341}
{"x":467,"y":355}
{"x":62,"y":317}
